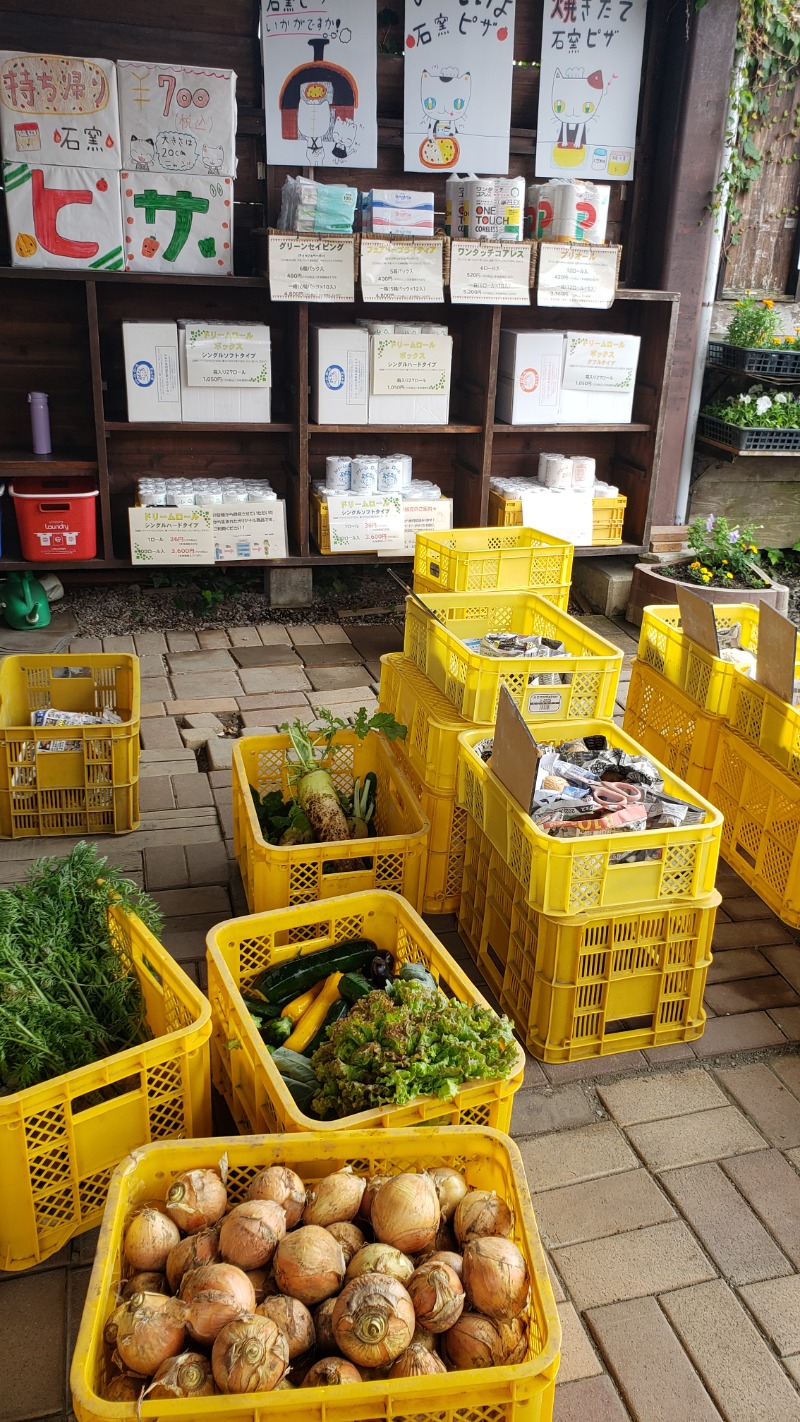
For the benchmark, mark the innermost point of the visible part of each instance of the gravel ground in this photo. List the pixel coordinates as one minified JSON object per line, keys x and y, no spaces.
{"x":232,"y":600}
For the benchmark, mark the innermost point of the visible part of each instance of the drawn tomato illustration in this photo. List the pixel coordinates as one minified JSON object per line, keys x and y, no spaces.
{"x":25,"y":245}
{"x":150,"y":246}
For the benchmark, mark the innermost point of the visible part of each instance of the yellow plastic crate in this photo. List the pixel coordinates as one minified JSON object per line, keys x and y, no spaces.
{"x":671,"y":726}
{"x":469,"y":559}
{"x":766,"y":721}
{"x":472,"y":907}
{"x":761,"y":832}
{"x":489,"y":1160}
{"x":433,"y":726}
{"x":472,"y":682}
{"x":245,"y":1073}
{"x":276,"y":876}
{"x":608,"y":516}
{"x":569,"y":876}
{"x":596,"y":984}
{"x":61,"y":1140}
{"x":444,"y":862}
{"x":707,"y":680}
{"x":91,"y":790}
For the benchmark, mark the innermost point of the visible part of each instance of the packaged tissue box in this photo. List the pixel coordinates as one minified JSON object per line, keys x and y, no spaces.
{"x":407,"y":214}
{"x":529,"y":377}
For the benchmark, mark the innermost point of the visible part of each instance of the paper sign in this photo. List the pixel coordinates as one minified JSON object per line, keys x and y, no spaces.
{"x":595,"y":360}
{"x":177,"y":224}
{"x":242,"y":531}
{"x":589,"y":88}
{"x":320,"y":66}
{"x":166,"y":536}
{"x":490,"y":273}
{"x":177,"y":118}
{"x":311,"y":268}
{"x":561,"y":513}
{"x":577,"y":274}
{"x":457,"y":82}
{"x":423,"y":516}
{"x":515,"y":754}
{"x":403,"y":270}
{"x":63,"y":217}
{"x":365,"y":524}
{"x":776,"y":652}
{"x":410,"y":365}
{"x":58,"y":109}
{"x":227,"y":354}
{"x":698,"y":621}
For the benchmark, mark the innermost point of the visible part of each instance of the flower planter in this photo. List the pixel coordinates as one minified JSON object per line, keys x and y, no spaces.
{"x":741,"y":440}
{"x":651,"y":588}
{"x":755,"y":360}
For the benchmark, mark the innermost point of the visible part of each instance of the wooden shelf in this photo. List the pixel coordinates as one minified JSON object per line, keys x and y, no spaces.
{"x":633,"y":428}
{"x":127,"y":279}
{"x":729,"y":454}
{"x":181,"y":427}
{"x":396,"y":430}
{"x":15,"y":464}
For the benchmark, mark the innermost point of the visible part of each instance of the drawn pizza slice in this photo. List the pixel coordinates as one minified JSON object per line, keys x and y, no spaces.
{"x":439,"y":152}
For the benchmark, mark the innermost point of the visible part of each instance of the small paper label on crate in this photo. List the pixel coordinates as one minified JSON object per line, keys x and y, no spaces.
{"x":401,"y":271}
{"x":310,"y":268}
{"x":429,"y":516}
{"x":490,"y":273}
{"x":577,"y":274}
{"x":545,"y":703}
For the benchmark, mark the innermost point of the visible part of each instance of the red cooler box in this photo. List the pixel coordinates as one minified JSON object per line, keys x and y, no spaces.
{"x":56,"y":519}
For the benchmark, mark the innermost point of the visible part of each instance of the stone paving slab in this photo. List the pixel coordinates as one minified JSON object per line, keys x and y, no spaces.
{"x":654,"y":1374}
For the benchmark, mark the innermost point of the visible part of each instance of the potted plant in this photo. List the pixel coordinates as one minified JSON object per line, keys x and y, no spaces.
{"x":754,"y":421}
{"x":755,"y":342}
{"x":721,"y":568}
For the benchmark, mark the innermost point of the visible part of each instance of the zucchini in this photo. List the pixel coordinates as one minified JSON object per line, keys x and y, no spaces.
{"x":418,"y":973}
{"x":259,"y":1010}
{"x":354,"y":986}
{"x":335,"y":1013}
{"x":313,"y":1018}
{"x":281,"y":984}
{"x":277,"y":1032}
{"x":298,"y":1078}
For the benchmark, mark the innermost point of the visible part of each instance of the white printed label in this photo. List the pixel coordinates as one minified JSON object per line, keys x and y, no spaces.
{"x":545,"y":703}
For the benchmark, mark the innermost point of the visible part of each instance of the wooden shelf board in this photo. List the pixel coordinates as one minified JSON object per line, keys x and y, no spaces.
{"x":730,"y":454}
{"x":397,"y":430}
{"x":178,"y":426}
{"x":572,"y":429}
{"x":20,"y":464}
{"x":129,"y":278}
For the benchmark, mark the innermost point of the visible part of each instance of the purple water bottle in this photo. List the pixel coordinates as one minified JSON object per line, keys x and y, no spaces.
{"x":40,"y":422}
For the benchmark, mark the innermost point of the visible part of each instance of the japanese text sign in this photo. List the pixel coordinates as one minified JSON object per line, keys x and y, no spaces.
{"x":311,"y":268}
{"x":177,"y":224}
{"x":177,"y":119}
{"x":227,"y":354}
{"x":410,"y":365}
{"x":577,"y":274}
{"x":55,"y":109}
{"x":365,"y":523}
{"x":403,"y":270}
{"x":63,"y":217}
{"x":490,"y":273}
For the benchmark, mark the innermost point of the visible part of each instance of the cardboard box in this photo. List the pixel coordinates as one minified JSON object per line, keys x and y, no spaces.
{"x":155,"y":207}
{"x":339,"y":375}
{"x":598,"y":378}
{"x":422,"y":409}
{"x":60,"y":110}
{"x":152,"y":382}
{"x":177,"y":118}
{"x":529,"y":377}
{"x":202,"y":404}
{"x":67,"y":218}
{"x":408,"y":214}
{"x":410,"y":379}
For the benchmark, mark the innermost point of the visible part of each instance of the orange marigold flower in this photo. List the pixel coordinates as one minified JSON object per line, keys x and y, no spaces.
{"x":769,"y":304}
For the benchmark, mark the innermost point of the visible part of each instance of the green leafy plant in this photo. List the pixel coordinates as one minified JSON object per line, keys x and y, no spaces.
{"x":724,"y":555}
{"x":784,"y":560}
{"x":754,"y":323}
{"x":757,"y":410}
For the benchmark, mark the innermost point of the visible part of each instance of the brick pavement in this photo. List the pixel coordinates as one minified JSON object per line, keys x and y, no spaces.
{"x":666,"y":1183}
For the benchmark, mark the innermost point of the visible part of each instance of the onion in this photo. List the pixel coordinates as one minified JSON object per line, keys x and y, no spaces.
{"x":192,"y":1252}
{"x":478,"y":1342}
{"x":380,"y":1259}
{"x":331,"y":1372}
{"x":249,"y":1355}
{"x":415,"y":1362}
{"x":150,"y":1331}
{"x":113,"y":1321}
{"x":424,"y":1337}
{"x":334,"y":1199}
{"x":187,"y":1375}
{"x":446,"y":1256}
{"x":294,"y":1320}
{"x":250,"y":1234}
{"x":450,"y":1189}
{"x":405,"y":1213}
{"x":196,"y":1199}
{"x":436,"y":1293}
{"x":495,"y":1277}
{"x":309,"y":1265}
{"x":216,"y":1294}
{"x":284,"y":1383}
{"x":349,"y":1236}
{"x":150,"y":1281}
{"x":282,"y":1185}
{"x":149,"y":1238}
{"x":263,"y":1282}
{"x":373,"y":1321}
{"x":482,"y":1212}
{"x":123,"y":1388}
{"x":370,"y":1191}
{"x":323,"y":1326}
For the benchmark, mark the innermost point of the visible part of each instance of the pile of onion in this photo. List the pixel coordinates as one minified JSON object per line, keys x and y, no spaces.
{"x":346,"y":1281}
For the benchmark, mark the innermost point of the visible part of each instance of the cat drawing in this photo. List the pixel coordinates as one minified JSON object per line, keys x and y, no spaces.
{"x":143,"y":154}
{"x":213,"y":159}
{"x":344,"y":137}
{"x":575,"y":98}
{"x":445,"y":97}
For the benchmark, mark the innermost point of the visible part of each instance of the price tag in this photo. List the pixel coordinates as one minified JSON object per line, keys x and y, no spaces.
{"x":411,"y":365}
{"x":311,"y":267}
{"x":491,"y":273}
{"x":177,"y":535}
{"x":362,"y":525}
{"x":409,"y":270}
{"x":428,"y":516}
{"x":243,"y":531}
{"x":577,"y":274}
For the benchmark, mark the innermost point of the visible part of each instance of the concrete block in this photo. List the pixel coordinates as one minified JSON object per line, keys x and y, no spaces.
{"x":605,"y":583}
{"x":290,"y":587}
